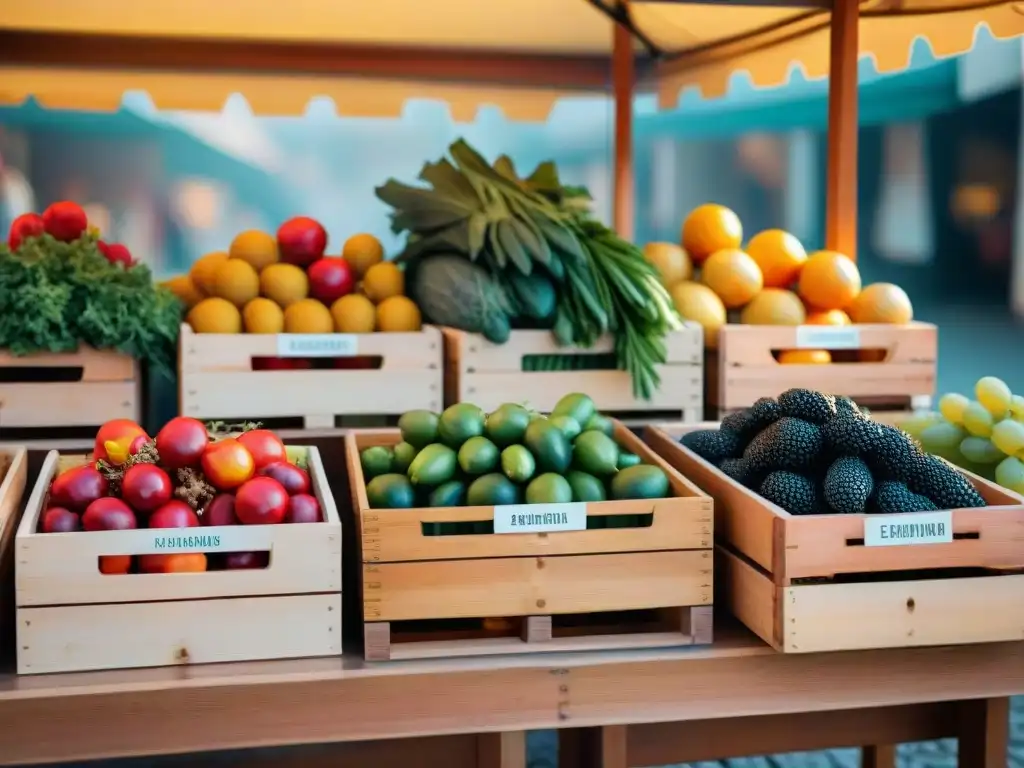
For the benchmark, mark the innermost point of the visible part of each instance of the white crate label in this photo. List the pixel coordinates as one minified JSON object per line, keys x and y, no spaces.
{"x":913,"y":528}
{"x":159,"y":541}
{"x":827,"y":337}
{"x":317,"y":345}
{"x":540,"y":518}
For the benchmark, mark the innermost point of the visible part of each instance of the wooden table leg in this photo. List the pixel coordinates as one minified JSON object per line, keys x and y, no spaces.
{"x":593,"y":747}
{"x":879,"y":756}
{"x":501,"y":750}
{"x":984,"y":730}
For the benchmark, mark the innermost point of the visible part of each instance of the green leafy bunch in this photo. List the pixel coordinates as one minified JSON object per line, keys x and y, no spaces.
{"x":55,"y":296}
{"x":536,"y":224}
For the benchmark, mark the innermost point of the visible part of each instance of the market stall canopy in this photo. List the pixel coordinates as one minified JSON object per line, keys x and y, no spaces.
{"x":370,"y":56}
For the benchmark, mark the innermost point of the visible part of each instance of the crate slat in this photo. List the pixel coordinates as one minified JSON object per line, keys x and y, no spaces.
{"x":765,"y":557}
{"x":491,"y":374}
{"x":217,"y":380}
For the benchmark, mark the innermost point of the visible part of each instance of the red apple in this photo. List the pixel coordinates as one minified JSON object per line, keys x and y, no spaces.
{"x":237,"y":561}
{"x":116,"y":253}
{"x":60,"y":520}
{"x":360,"y":363}
{"x":220,"y":511}
{"x":77,"y":488}
{"x":281,"y":364}
{"x":330,"y":279}
{"x":174,"y":514}
{"x":227,"y":464}
{"x":261,"y":501}
{"x":294,"y":479}
{"x":25,"y":226}
{"x":303,"y":508}
{"x":265,"y":447}
{"x":66,"y":221}
{"x":301,"y":241}
{"x":118,"y":439}
{"x":146,"y":487}
{"x":182,"y":442}
{"x":109,"y":514}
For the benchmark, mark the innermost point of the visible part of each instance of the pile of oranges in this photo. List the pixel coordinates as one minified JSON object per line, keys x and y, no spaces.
{"x":771,"y":281}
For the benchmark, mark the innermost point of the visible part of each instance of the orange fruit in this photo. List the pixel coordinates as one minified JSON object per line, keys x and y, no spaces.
{"x":779,"y":255}
{"x":382,"y":281}
{"x":354,"y":314}
{"x":710,"y":228}
{"x":671,"y":261}
{"x":284,"y":284}
{"x":186,"y":291}
{"x":115,"y":564}
{"x":308,"y":316}
{"x":882,"y":303}
{"x":262,"y":316}
{"x":362,"y":251}
{"x":185,"y":562}
{"x":398,"y":314}
{"x":774,"y":306}
{"x":204,"y":270}
{"x":733,"y":275}
{"x":696,"y":302}
{"x":828,"y":317}
{"x":215,"y":315}
{"x":257,"y":248}
{"x":805,"y":357}
{"x":236,"y":281}
{"x":829,"y":280}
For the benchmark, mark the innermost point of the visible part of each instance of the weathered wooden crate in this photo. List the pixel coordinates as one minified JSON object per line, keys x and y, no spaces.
{"x":13,"y":477}
{"x":881,"y":366}
{"x":72,"y":617}
{"x":80,"y":389}
{"x":488,"y":374}
{"x":647,"y":583}
{"x":810,"y":583}
{"x":376,"y":374}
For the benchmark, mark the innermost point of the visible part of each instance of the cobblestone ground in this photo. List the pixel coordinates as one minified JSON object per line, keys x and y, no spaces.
{"x":931,"y":754}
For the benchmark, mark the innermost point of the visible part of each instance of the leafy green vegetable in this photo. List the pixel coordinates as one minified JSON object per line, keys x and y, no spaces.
{"x":55,"y":296}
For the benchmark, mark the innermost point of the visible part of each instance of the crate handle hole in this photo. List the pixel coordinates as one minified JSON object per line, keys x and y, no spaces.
{"x":356,"y":363}
{"x":824,"y":355}
{"x":486,"y":527}
{"x":32,"y":374}
{"x":965,"y":536}
{"x":182,"y":562}
{"x":584,"y":361}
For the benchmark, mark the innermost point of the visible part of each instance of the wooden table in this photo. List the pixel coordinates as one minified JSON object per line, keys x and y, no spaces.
{"x":735,"y":697}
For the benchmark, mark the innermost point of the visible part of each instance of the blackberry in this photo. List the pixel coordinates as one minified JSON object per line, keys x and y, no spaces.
{"x":848,"y":485}
{"x":893,"y":498}
{"x":893,"y":453}
{"x":742,"y":423}
{"x":850,"y":435}
{"x":806,"y":404}
{"x":846,"y":405}
{"x":712,"y":444}
{"x":794,"y":493}
{"x":789,"y":443}
{"x":764,"y":412}
{"x":739,"y":470}
{"x":941,"y":482}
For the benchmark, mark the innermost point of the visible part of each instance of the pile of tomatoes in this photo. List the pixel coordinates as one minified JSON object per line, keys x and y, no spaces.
{"x":242,"y":480}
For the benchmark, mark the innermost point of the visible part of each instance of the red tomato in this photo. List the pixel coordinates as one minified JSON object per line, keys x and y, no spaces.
{"x":303,"y":508}
{"x":25,"y":226}
{"x":227,"y":464}
{"x":146,"y":487}
{"x":236,"y":561}
{"x":182,"y":442}
{"x":185,"y":562}
{"x":109,"y":514}
{"x":65,"y":220}
{"x":60,"y":520}
{"x":115,"y":564}
{"x":261,"y":501}
{"x":116,"y":253}
{"x":220,"y":511}
{"x":174,"y":514}
{"x":77,"y":488}
{"x":117,"y":440}
{"x":265,"y":447}
{"x":294,"y":479}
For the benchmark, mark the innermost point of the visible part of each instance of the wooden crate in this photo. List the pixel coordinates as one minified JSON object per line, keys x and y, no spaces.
{"x":743,"y":368}
{"x":488,"y":374}
{"x":13,"y":477}
{"x":425,"y":595}
{"x":80,"y":389}
{"x":808,"y":583}
{"x":217,"y":379}
{"x":71,"y":617}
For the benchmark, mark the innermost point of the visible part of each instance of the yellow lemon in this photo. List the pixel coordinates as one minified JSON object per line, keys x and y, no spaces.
{"x":774,"y":306}
{"x":700,"y":304}
{"x":672,"y":262}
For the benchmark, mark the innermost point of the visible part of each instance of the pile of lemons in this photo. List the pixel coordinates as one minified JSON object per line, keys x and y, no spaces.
{"x":249,"y":289}
{"x":713,"y":279}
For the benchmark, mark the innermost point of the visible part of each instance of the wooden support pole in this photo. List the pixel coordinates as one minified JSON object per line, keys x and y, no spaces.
{"x":984,"y":733}
{"x":623,"y":76}
{"x":879,"y":756}
{"x":841,"y":184}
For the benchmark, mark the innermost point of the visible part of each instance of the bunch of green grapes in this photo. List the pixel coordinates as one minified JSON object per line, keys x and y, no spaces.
{"x":984,"y":435}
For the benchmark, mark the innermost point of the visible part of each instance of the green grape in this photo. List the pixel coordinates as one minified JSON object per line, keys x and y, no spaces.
{"x":915,"y":424}
{"x":1017,"y":407}
{"x":942,"y":439}
{"x":1010,"y":473}
{"x":952,"y":406}
{"x":1008,"y":436}
{"x":978,"y":450}
{"x":994,"y":395}
{"x":978,"y":420}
